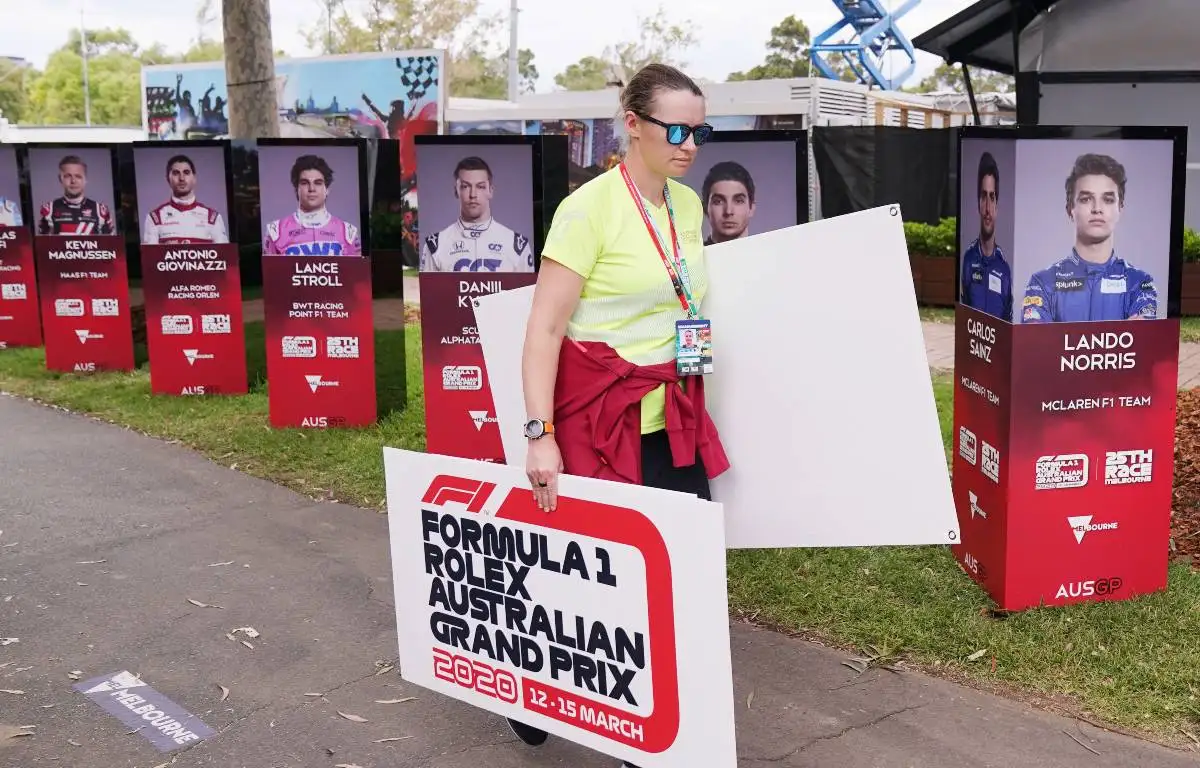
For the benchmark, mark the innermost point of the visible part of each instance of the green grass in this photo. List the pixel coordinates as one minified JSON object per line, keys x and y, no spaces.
{"x":936,"y":314}
{"x":1135,"y":664}
{"x":1189,"y":329}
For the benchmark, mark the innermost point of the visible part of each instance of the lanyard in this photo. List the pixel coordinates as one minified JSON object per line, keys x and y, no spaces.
{"x":676,"y":267}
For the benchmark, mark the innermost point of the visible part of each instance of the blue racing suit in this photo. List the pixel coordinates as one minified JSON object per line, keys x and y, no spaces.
{"x":1072,"y":290}
{"x":986,"y":282}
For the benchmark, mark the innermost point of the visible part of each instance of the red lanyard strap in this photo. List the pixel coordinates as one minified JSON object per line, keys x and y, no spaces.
{"x":674,"y":266}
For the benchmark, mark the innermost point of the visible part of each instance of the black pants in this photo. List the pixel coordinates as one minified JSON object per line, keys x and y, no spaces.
{"x":659,"y":470}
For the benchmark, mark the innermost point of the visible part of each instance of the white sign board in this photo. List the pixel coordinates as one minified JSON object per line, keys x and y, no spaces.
{"x":822,"y":392}
{"x":604,"y":622}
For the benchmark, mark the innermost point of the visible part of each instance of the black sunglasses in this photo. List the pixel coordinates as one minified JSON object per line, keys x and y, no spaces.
{"x":677,"y":133}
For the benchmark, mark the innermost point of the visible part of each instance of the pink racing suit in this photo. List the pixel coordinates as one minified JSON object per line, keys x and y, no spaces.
{"x":312,"y":234}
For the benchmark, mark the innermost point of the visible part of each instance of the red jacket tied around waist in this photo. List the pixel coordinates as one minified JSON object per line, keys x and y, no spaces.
{"x":597,"y":414}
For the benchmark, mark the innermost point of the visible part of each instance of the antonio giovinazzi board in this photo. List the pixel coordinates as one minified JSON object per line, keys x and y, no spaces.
{"x":476,"y":208}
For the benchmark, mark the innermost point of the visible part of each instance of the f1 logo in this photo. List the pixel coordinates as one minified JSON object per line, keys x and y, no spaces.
{"x":446,"y":488}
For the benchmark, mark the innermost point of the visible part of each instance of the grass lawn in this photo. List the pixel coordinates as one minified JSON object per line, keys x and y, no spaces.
{"x":1135,"y":664}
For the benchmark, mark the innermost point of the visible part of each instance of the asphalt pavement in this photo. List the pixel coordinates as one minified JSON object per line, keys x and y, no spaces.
{"x":107,"y":536}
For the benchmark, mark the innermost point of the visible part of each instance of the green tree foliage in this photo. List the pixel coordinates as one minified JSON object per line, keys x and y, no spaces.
{"x":787,"y":56}
{"x":54,"y":96}
{"x":949,"y":77}
{"x":14,"y":102}
{"x":478,"y":66}
{"x":660,"y":40}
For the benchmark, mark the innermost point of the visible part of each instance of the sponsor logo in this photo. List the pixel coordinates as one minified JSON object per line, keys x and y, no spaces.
{"x":68,"y":307}
{"x":1128,"y":467}
{"x":1091,"y":587}
{"x":215,"y":324}
{"x":317,"y":382}
{"x":106,"y":307}
{"x":462,"y":378}
{"x":1073,"y":284}
{"x":342,"y":347}
{"x":85,"y":335}
{"x":122,"y":681}
{"x":974,"y":566}
{"x":446,"y":488}
{"x":322,"y":422}
{"x":13,"y":292}
{"x":300,"y":346}
{"x":1081,"y":525}
{"x":1032,"y":301}
{"x":177,"y":325}
{"x":1066,"y":470}
{"x":990,"y":464}
{"x":480,"y":418}
{"x":192,"y":355}
{"x":976,"y":510}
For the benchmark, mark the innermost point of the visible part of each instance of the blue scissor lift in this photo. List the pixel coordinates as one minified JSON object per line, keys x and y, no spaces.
{"x":874,"y":33}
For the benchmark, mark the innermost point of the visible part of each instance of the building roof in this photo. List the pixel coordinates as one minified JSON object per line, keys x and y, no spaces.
{"x":981,"y":35}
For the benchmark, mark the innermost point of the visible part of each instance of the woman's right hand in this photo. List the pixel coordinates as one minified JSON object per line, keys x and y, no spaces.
{"x":543,"y":464}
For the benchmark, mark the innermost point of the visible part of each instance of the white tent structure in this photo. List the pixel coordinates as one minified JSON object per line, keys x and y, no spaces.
{"x":1088,"y":62}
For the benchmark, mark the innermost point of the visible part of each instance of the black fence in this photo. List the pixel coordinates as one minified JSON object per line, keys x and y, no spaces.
{"x":869,"y":166}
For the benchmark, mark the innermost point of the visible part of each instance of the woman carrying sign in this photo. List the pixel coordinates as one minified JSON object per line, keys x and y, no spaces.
{"x":620,"y":288}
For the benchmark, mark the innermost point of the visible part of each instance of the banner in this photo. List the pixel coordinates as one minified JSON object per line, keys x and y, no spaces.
{"x":810,"y":457}
{"x":20,"y":322}
{"x":80,"y":255}
{"x":190,"y":278}
{"x":604,"y":622}
{"x":317,"y":284}
{"x":480,"y":234}
{"x":1066,"y":360}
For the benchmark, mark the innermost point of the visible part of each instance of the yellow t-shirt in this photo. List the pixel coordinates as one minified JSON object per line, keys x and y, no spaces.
{"x":628,"y":300}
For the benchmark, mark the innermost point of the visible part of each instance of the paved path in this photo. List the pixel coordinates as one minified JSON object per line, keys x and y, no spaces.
{"x":107,"y":535}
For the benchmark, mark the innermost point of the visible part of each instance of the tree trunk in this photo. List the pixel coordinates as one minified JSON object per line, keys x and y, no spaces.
{"x":250,"y":69}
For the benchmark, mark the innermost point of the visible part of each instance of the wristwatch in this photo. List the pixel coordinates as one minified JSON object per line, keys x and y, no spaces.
{"x":535,"y":428}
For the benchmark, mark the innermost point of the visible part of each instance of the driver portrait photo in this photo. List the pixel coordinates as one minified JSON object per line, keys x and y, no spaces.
{"x":183,"y":218}
{"x":475,"y":241}
{"x":10,"y":189}
{"x":728,"y":196}
{"x":311,"y":229}
{"x":985,"y":282}
{"x":1094,"y":282}
{"x":74,"y":212}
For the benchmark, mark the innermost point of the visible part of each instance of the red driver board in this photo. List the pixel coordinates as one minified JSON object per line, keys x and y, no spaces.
{"x":84,"y":290}
{"x":20,"y":321}
{"x":320,"y":341}
{"x":194,"y":325}
{"x":1064,"y":456}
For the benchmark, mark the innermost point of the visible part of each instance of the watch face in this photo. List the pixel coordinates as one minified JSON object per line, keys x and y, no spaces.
{"x":534,"y":428}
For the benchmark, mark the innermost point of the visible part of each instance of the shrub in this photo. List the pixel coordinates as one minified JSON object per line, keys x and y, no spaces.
{"x":938,"y":240}
{"x":931,"y":240}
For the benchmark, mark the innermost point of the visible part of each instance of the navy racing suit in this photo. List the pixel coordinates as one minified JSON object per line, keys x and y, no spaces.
{"x":1074,"y":290}
{"x":986,"y":282}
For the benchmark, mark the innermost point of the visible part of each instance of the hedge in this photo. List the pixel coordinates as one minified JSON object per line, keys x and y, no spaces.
{"x":935,"y":240}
